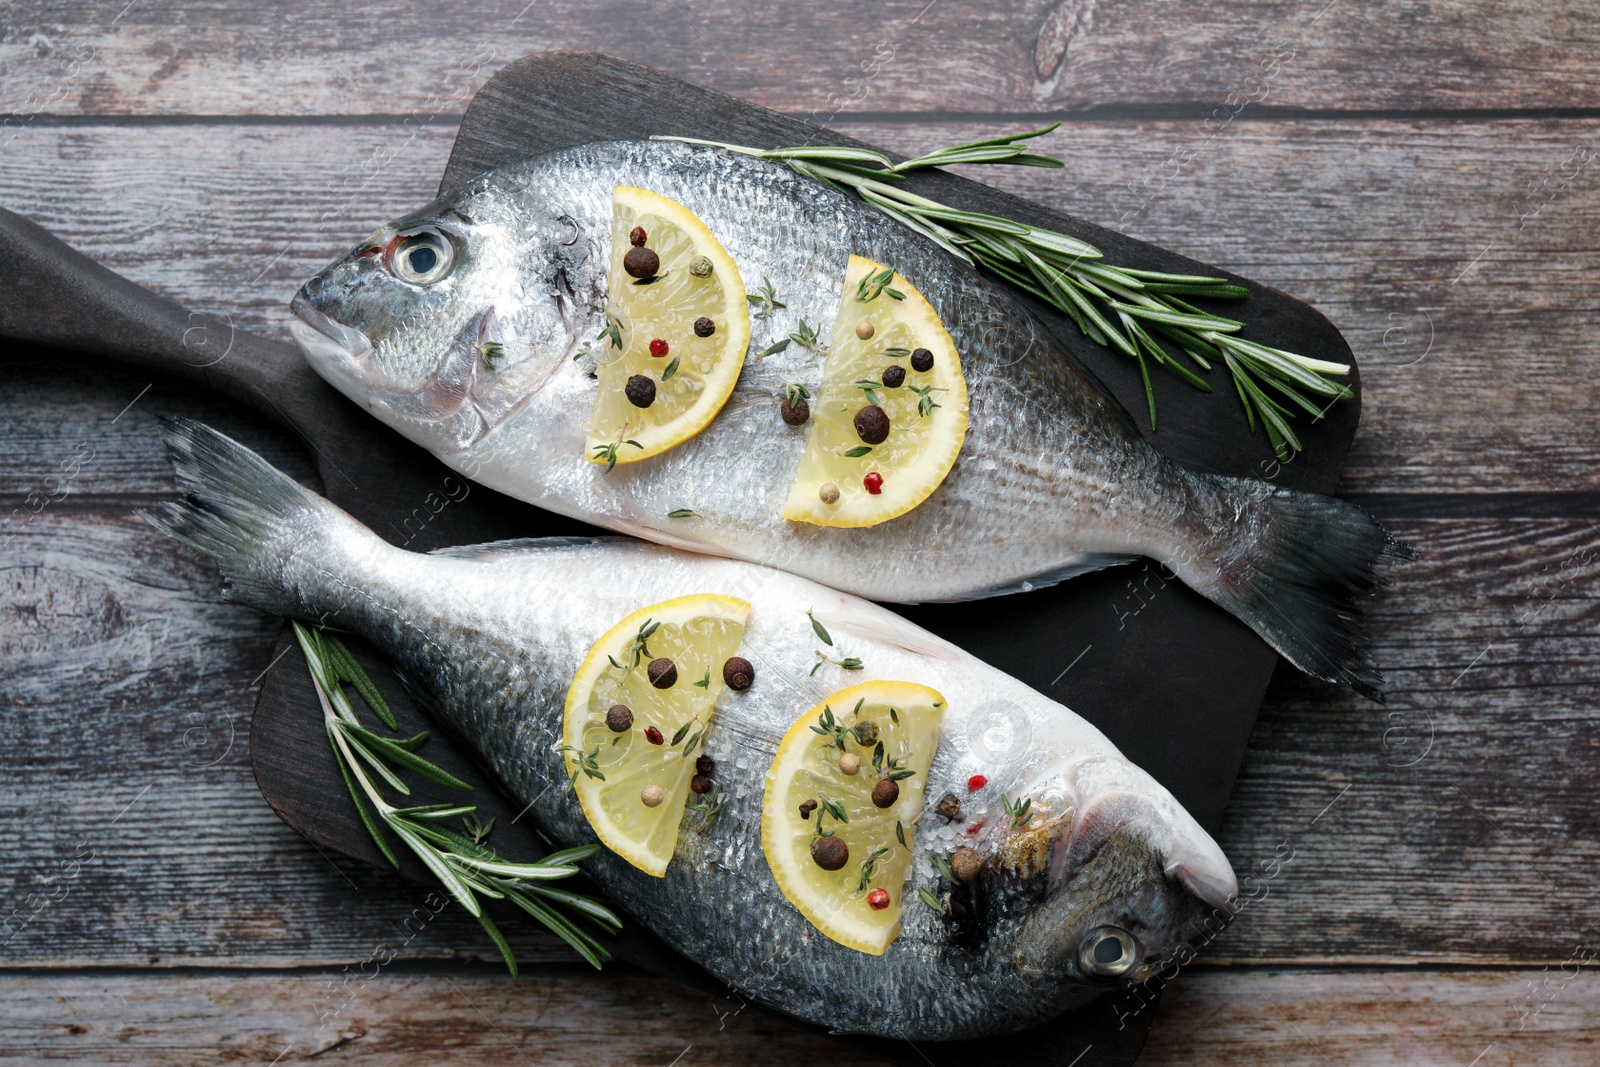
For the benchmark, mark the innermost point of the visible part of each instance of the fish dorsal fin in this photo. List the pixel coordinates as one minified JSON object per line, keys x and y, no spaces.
{"x":866,"y":620}
{"x":517,"y":546}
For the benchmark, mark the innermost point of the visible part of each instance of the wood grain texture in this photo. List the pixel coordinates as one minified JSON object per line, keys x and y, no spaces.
{"x":1473,"y":329}
{"x":184,"y":57}
{"x":562,"y":1016}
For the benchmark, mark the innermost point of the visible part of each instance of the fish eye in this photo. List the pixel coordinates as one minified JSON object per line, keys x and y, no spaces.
{"x":1106,"y":952}
{"x":421,"y":258}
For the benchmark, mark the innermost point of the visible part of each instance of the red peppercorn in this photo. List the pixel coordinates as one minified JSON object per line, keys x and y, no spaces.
{"x":874,"y":482}
{"x":652,"y":735}
{"x":658,"y":347}
{"x":637,"y":236}
{"x":878,"y":899}
{"x":976,"y":782}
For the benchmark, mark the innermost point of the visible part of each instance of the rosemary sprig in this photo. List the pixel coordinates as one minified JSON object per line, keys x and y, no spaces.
{"x":1131,"y":311}
{"x":466,"y":867}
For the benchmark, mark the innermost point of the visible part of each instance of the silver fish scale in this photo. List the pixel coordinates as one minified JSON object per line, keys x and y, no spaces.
{"x":1050,"y":471}
{"x":495,"y":635}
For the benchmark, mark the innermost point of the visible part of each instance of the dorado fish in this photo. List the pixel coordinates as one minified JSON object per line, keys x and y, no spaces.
{"x":1083,"y":874}
{"x":1052,"y":480}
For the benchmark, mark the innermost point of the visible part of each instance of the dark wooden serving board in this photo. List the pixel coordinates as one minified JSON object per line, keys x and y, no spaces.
{"x":1174,"y":681}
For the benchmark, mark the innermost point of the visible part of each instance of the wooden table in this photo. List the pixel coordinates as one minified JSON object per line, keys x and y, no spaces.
{"x":1424,"y":173}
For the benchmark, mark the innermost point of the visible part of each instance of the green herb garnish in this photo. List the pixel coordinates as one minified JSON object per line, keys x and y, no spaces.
{"x":463,"y":864}
{"x":926,"y":403}
{"x":1020,"y":811}
{"x":680,"y":513}
{"x":857,"y":452}
{"x":612,"y":331}
{"x":1129,"y":310}
{"x":766,"y":298}
{"x":609,"y":452}
{"x":672,"y":368}
{"x":871,"y":286}
{"x":490,"y":351}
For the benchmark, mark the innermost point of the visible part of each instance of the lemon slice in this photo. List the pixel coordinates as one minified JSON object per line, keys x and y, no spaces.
{"x":689,"y":376}
{"x":614,"y":768}
{"x":846,"y":903}
{"x":927,"y":414}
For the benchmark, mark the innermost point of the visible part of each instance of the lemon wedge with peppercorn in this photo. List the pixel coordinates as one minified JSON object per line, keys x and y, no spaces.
{"x":677,"y":328}
{"x":891,"y":414}
{"x":636,"y":715}
{"x":843,"y":794}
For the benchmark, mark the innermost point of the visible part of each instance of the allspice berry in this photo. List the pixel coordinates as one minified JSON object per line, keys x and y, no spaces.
{"x":738,"y":673}
{"x":894,"y":376}
{"x":885,"y":793}
{"x":828,"y":493}
{"x":641,"y":262}
{"x":662,"y":672}
{"x":700,"y":784}
{"x":619,"y":719}
{"x":949,"y":806}
{"x":850,"y":763}
{"x":865,"y":329}
{"x":830,"y":853}
{"x":651,"y":796}
{"x":921,"y":360}
{"x":872,"y":424}
{"x":640,"y":391}
{"x":795,"y":413}
{"x":965,"y":863}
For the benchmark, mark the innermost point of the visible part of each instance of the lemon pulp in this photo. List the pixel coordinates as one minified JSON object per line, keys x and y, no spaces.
{"x":696,"y":279}
{"x":927,"y":414}
{"x":906,"y":718}
{"x":611,"y":770}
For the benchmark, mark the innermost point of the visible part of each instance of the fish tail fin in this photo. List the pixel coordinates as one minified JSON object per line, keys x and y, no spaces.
{"x":248,"y":516}
{"x":1294,"y":575}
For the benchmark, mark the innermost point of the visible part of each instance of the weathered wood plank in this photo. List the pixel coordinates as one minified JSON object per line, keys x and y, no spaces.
{"x":1446,"y":813}
{"x":558,"y":1016}
{"x":411,"y":59}
{"x":1470,"y":329}
{"x":552,"y":1016}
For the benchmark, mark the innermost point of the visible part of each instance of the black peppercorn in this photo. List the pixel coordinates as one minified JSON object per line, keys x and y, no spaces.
{"x":738,"y":673}
{"x":641,"y":263}
{"x":640,"y":391}
{"x":885,"y":793}
{"x":949,"y":806}
{"x":894,"y":377}
{"x":706,"y":766}
{"x":704,"y":327}
{"x":700,"y":784}
{"x":830,"y":853}
{"x":872,"y":424}
{"x":663,"y":673}
{"x":922,"y":360}
{"x":796,"y":413}
{"x":807,"y":807}
{"x":619,"y":718}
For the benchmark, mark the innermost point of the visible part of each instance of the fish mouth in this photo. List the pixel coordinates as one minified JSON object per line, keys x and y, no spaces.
{"x":326,"y":343}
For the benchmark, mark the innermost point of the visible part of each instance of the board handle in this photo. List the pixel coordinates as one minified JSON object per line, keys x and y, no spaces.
{"x":58,"y":300}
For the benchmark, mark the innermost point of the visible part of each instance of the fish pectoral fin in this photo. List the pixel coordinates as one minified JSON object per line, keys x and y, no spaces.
{"x":1083,"y":563}
{"x":866,"y":620}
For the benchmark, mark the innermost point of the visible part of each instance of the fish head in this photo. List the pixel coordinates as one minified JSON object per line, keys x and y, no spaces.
{"x":1132,"y":887}
{"x":444,"y":321}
